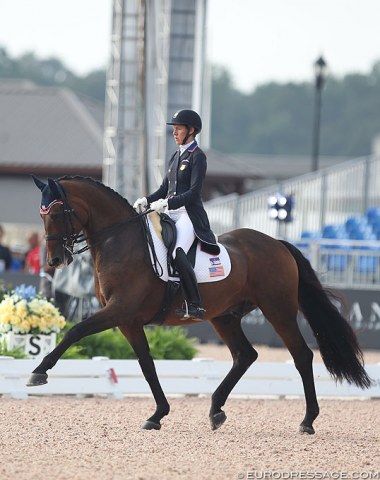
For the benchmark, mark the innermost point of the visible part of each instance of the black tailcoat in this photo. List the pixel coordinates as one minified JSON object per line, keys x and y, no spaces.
{"x":182,"y":186}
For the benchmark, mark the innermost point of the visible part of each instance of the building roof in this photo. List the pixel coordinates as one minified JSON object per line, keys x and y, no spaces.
{"x":53,"y":131}
{"x":48,"y":129}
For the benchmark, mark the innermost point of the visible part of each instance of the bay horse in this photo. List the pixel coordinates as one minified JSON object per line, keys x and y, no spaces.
{"x":268,"y":274}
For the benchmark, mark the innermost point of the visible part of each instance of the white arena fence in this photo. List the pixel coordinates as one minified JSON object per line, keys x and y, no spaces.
{"x":117,"y":378}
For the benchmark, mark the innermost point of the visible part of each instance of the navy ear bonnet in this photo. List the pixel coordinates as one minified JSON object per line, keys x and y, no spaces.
{"x":50,"y":194}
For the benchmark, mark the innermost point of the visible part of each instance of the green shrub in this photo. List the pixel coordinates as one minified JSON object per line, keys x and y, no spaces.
{"x":170,"y":343}
{"x":5,"y":288}
{"x":76,"y":351}
{"x":16,"y":352}
{"x":164,"y":342}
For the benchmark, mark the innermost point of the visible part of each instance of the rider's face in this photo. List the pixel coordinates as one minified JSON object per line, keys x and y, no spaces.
{"x":179,"y":133}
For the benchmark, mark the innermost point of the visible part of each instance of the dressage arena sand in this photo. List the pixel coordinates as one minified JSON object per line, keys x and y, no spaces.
{"x":100,"y":439}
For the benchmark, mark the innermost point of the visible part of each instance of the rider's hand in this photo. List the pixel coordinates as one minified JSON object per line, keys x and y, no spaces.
{"x":160,"y":205}
{"x":140,"y":202}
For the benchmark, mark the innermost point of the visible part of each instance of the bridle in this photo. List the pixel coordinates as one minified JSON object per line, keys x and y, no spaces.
{"x":69,"y":238}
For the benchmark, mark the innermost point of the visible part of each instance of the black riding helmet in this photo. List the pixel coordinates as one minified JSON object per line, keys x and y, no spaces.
{"x":189,"y":118}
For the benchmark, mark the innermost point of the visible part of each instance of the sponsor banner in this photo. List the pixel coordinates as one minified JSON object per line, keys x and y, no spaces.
{"x":363,"y":307}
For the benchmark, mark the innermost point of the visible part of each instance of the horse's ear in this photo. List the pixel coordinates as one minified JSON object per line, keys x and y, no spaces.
{"x":39,"y":183}
{"x":53,"y":188}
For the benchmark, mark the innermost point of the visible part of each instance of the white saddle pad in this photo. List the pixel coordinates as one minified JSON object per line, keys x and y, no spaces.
{"x":208,"y":268}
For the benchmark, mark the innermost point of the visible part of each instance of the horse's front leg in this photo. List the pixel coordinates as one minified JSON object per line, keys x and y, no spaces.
{"x":138,"y":341}
{"x":100,"y":321}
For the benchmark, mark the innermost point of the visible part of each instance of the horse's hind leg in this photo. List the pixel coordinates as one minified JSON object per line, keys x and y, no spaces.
{"x":229,"y":330}
{"x":287,"y":328}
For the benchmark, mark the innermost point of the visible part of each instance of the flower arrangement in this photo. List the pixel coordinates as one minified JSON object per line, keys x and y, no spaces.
{"x":23,"y":311}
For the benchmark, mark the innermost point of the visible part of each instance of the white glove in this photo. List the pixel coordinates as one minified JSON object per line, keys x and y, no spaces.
{"x":160,"y":205}
{"x":140,"y":202}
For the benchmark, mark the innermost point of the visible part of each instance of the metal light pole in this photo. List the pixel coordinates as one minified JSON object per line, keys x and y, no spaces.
{"x":320,"y":67}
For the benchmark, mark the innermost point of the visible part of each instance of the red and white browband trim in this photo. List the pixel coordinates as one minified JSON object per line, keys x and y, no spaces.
{"x":45,"y":210}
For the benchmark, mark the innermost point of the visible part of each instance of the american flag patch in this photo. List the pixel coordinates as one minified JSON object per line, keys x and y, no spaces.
{"x":215,"y":261}
{"x":216,"y":271}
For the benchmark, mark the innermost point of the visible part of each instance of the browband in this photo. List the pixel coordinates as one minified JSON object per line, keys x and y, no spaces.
{"x":45,"y":210}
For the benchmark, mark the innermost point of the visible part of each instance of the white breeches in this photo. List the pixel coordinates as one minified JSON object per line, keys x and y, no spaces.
{"x":185,"y":229}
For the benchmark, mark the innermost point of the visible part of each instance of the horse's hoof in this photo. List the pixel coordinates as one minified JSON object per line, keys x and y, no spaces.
{"x":217,"y":420}
{"x":306,"y":429}
{"x":37,"y":379}
{"x":149,"y":425}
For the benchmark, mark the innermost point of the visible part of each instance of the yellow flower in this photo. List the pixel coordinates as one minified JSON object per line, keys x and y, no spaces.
{"x":37,"y":315}
{"x":21,"y":308}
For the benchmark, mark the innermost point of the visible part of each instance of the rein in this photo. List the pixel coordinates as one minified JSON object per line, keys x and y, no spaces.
{"x":71,"y":239}
{"x":81,"y":238}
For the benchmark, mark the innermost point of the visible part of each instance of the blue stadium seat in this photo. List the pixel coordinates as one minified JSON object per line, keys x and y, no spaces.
{"x":362,"y":233}
{"x":373,"y":214}
{"x":367,"y":263}
{"x":376,"y":228}
{"x":356,"y":228}
{"x":330,"y":231}
{"x":312,"y":235}
{"x":337,"y":263}
{"x":355,"y":223}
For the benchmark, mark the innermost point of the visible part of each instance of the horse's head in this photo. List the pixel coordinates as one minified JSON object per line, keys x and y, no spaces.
{"x":62,"y":227}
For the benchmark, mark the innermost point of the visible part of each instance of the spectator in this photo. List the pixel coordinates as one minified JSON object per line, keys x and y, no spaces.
{"x":32,"y":258}
{"x":5,"y":253}
{"x":18,"y":258}
{"x":46,"y":273}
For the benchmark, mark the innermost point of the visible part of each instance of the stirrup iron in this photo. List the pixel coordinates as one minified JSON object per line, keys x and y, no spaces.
{"x":185,"y":308}
{"x":195,"y":312}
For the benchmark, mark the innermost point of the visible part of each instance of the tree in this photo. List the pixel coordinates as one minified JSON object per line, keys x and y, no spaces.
{"x":273,"y":119}
{"x":51,"y":72}
{"x":277,"y":118}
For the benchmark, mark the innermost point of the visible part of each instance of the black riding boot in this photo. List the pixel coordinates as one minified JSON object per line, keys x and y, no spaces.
{"x":193,"y":306}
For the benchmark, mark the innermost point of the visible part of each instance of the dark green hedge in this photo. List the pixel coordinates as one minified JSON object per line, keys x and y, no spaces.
{"x":169,"y":343}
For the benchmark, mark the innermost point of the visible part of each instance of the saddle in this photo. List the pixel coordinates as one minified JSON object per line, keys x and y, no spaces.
{"x":169,"y":237}
{"x":166,"y":228}
{"x":161,"y":234}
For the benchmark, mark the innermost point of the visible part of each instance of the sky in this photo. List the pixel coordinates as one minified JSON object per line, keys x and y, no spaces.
{"x":258,"y":41}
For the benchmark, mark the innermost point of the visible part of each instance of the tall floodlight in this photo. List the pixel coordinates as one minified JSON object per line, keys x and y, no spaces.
{"x":187,"y":61}
{"x":157,"y":75}
{"x":124,"y":134}
{"x":156,"y":67}
{"x":320,"y":68}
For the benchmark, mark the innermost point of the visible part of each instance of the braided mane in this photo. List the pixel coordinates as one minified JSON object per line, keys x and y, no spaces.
{"x":99,"y":185}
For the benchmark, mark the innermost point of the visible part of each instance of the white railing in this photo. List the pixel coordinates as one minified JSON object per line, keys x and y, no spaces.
{"x":123,"y":377}
{"x":344,"y":263}
{"x":327,"y":196}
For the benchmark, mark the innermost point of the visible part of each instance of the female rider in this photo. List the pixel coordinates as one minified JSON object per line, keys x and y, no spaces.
{"x":179,"y":196}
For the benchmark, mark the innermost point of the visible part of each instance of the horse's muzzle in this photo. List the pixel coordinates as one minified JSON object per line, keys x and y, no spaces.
{"x":59,"y":262}
{"x":55,"y":262}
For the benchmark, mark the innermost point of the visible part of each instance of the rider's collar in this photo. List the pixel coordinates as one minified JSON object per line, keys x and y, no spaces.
{"x":189,"y":146}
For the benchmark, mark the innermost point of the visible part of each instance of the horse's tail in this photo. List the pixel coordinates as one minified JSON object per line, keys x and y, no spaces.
{"x":337,"y":341}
